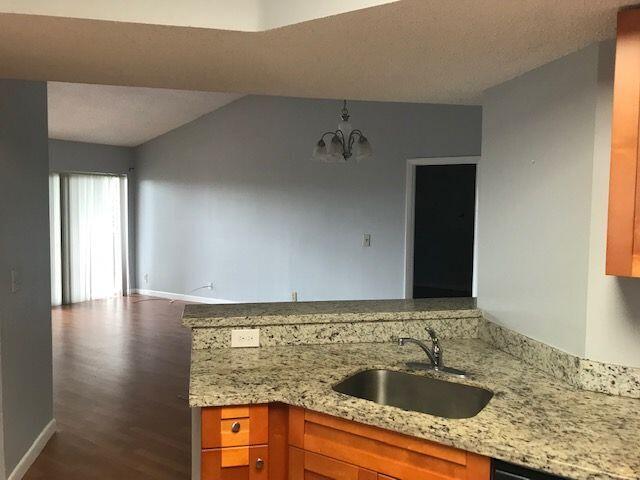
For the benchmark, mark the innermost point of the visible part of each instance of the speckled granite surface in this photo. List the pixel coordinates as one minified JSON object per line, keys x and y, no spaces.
{"x":533,"y":420}
{"x":551,"y":360}
{"x":287,"y":313}
{"x":384,"y":320}
{"x":337,"y":332}
{"x":579,"y":372}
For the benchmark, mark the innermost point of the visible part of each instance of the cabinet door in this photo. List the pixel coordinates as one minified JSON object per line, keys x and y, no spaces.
{"x":386,"y":453}
{"x":311,"y":466}
{"x":236,"y":463}
{"x":623,"y":235}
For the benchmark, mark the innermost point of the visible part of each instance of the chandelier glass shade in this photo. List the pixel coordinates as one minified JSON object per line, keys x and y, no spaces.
{"x":342,"y":144}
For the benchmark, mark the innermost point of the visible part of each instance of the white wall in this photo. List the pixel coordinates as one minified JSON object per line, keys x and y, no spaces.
{"x":241,"y":15}
{"x":613,"y":308}
{"x":278,"y":13}
{"x":79,"y":157}
{"x":534,"y":196}
{"x":235,"y":199}
{"x":25,"y":318}
{"x":244,"y":15}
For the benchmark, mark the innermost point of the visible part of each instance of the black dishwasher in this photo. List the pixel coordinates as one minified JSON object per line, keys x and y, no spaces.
{"x":505,"y":471}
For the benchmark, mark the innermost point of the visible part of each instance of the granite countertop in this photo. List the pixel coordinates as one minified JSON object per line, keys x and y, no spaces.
{"x":532,"y":420}
{"x":287,"y":313}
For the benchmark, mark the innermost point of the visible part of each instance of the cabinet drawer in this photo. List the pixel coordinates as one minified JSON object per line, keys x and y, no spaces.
{"x":236,"y":463}
{"x":235,"y":426}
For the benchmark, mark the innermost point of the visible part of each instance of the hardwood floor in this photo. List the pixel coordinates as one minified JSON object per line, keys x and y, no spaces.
{"x":121,"y":372}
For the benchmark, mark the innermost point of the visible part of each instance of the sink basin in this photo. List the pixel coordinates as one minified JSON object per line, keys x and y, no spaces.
{"x":416,"y":393}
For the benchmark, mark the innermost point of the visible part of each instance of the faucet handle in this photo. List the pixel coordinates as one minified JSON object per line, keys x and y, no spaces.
{"x":437,"y":351}
{"x":434,"y":336}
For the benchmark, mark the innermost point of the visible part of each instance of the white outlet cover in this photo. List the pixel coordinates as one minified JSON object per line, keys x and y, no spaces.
{"x":246,"y":337}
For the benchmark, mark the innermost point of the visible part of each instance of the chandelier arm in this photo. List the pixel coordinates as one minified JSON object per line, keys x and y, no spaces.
{"x":352,"y":137}
{"x":344,"y":141}
{"x":325,"y":134}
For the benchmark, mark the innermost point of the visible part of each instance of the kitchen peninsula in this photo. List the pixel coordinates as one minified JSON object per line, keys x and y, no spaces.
{"x":291,"y":423}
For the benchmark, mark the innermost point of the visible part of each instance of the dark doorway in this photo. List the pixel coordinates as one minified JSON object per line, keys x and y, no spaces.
{"x":445,"y":205}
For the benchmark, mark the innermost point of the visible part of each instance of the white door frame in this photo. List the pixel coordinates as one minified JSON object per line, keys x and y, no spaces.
{"x":410,"y":189}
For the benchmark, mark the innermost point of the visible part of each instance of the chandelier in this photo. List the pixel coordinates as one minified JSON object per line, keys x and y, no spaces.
{"x":345,"y":142}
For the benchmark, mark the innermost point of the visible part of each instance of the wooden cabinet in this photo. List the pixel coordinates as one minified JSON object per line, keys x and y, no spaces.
{"x":235,"y":443}
{"x":387,"y":454}
{"x":311,"y":466}
{"x":236,"y":463}
{"x":235,"y":426}
{"x":623,"y":234}
{"x":277,"y":442}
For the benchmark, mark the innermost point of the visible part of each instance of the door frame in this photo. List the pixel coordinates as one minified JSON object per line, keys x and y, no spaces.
{"x":410,"y":195}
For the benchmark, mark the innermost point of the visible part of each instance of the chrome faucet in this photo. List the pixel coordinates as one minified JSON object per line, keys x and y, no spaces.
{"x":434,"y":353}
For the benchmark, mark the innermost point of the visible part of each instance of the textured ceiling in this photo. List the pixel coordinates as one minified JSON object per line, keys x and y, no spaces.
{"x":123,"y":116}
{"x":411,"y":50}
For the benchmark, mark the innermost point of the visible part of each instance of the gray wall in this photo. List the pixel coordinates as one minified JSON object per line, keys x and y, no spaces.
{"x":613,"y":307}
{"x":25,"y":319}
{"x":234,"y":198}
{"x":534,"y":196}
{"x":65,"y":156}
{"x":543,"y":211}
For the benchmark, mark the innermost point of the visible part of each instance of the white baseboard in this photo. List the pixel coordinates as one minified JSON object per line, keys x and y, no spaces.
{"x":33,"y":452}
{"x":179,"y":296}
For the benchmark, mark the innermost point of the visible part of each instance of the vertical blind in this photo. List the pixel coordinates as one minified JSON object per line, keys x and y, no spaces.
{"x":88,"y":237}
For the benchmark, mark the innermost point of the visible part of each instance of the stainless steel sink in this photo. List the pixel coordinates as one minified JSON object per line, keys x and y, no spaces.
{"x":416,"y":393}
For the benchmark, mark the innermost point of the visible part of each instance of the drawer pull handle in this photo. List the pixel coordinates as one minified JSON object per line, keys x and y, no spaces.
{"x":235,"y":427}
{"x":259,"y":464}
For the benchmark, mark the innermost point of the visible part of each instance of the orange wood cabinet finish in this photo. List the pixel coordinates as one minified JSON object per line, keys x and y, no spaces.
{"x":623,"y":233}
{"x":236,"y":463}
{"x":298,"y":444}
{"x":235,"y":426}
{"x":235,"y":442}
{"x":305,"y":465}
{"x":388,"y":454}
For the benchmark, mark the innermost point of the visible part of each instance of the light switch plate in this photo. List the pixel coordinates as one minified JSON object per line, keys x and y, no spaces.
{"x":246,"y":337}
{"x":15,"y":281}
{"x":366,"y":240}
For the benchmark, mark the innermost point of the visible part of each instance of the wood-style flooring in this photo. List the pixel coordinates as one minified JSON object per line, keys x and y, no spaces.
{"x":121,"y":372}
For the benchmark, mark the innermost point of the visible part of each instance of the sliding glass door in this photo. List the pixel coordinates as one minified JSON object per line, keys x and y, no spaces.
{"x":88,"y":237}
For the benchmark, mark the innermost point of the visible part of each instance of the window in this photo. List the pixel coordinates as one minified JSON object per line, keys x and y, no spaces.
{"x":88,"y":217}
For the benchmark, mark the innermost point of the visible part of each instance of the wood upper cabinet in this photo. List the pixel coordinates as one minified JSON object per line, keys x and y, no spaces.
{"x":623,"y":234}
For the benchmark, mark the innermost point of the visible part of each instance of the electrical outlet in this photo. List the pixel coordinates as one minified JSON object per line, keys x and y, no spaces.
{"x":294,"y":296}
{"x":366,"y":240}
{"x":146,"y":278}
{"x":246,"y":337}
{"x":209,"y":286}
